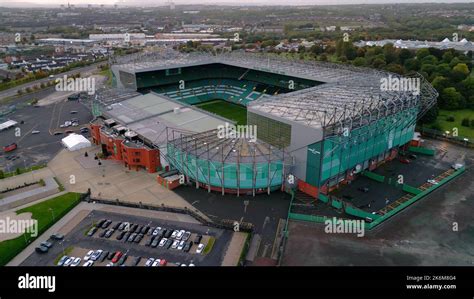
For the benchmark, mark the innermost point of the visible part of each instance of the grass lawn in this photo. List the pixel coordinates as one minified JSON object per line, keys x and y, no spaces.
{"x":107,"y":73}
{"x":43,"y":212}
{"x":467,"y":132}
{"x":209,"y":245}
{"x":225,"y":109}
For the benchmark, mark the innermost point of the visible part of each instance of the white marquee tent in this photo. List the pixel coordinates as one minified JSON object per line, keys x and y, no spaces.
{"x":74,"y":142}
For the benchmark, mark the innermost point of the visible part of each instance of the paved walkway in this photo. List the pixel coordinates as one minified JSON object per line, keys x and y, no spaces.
{"x":234,"y":250}
{"x":29,"y":177}
{"x":111,"y":180}
{"x":49,"y":188}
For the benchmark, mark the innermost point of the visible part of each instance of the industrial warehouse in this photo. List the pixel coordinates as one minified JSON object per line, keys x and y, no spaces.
{"x":318,"y":125}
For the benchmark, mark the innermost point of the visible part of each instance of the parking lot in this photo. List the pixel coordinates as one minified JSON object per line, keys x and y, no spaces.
{"x":371,"y":196}
{"x":130,"y":235}
{"x":39,"y":148}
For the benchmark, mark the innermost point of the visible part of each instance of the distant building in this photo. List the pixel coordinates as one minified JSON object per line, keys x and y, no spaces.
{"x":464,"y":45}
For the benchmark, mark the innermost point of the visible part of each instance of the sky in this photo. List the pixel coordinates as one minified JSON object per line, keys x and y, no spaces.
{"x":233,"y":2}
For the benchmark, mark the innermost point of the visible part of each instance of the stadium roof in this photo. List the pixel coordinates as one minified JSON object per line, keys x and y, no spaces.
{"x":151,"y":115}
{"x":351,"y":94}
{"x":207,"y":145}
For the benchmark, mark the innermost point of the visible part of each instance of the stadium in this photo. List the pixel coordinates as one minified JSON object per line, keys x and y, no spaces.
{"x":319,"y":124}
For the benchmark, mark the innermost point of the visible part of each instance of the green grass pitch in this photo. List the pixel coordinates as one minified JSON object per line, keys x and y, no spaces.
{"x":225,"y":109}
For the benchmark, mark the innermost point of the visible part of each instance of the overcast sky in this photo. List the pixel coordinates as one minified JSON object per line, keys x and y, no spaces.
{"x":241,"y":2}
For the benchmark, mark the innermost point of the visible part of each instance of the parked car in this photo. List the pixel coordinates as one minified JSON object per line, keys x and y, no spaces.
{"x":168,"y":233}
{"x":117,"y":256}
{"x":363,"y":189}
{"x":109,"y":233}
{"x":57,"y":133}
{"x":121,"y":226}
{"x":156,"y":231}
{"x":197,"y":239}
{"x":110,"y":264}
{"x":96,"y":255}
{"x":457,"y":166}
{"x":150,"y":231}
{"x":73,"y":112}
{"x":111,"y":255}
{"x":104,"y":255}
{"x":117,"y":225}
{"x":187,"y":247}
{"x":180,"y":234}
{"x":181,"y":245}
{"x":138,"y":238}
{"x":101,"y":222}
{"x":168,"y":244}
{"x":163,"y":262}
{"x":120,"y":235}
{"x":174,"y":234}
{"x":106,"y":223}
{"x":122,"y":260}
{"x":62,"y":260}
{"x":10,"y":147}
{"x":433,"y":182}
{"x":186,"y":236}
{"x":175,"y":244}
{"x":68,"y":261}
{"x":404,"y":161}
{"x":149,"y":262}
{"x":88,"y":255}
{"x":56,"y":236}
{"x":102,"y":234}
{"x":136,"y":261}
{"x":156,"y":263}
{"x":126,"y":236}
{"x":149,"y":241}
{"x":131,"y":237}
{"x":88,"y":264}
{"x":412,"y":156}
{"x":134,"y":228}
{"x":155,"y":242}
{"x":46,"y":244}
{"x":92,"y":231}
{"x":200,"y":248}
{"x":162,"y":242}
{"x":76,"y":262}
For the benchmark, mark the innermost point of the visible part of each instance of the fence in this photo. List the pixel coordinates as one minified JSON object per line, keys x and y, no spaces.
{"x":223,"y":224}
{"x":460,"y":140}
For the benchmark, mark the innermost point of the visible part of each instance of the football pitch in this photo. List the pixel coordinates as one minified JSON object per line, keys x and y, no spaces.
{"x":225,"y":109}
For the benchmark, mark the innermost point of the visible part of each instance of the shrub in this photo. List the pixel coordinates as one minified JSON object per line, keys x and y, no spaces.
{"x":472,"y":123}
{"x":465,"y":122}
{"x":18,"y":170}
{"x":2,"y":174}
{"x":450,"y":118}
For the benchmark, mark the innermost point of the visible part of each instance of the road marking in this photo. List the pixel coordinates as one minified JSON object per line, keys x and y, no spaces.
{"x":196,"y":201}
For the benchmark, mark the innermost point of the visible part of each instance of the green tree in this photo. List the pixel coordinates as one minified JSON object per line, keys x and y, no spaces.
{"x":460,"y":72}
{"x":421,"y":53}
{"x":451,"y":99}
{"x":359,"y":61}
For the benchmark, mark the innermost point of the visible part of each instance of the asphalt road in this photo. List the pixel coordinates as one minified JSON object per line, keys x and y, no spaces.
{"x":14,"y":91}
{"x":34,"y":149}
